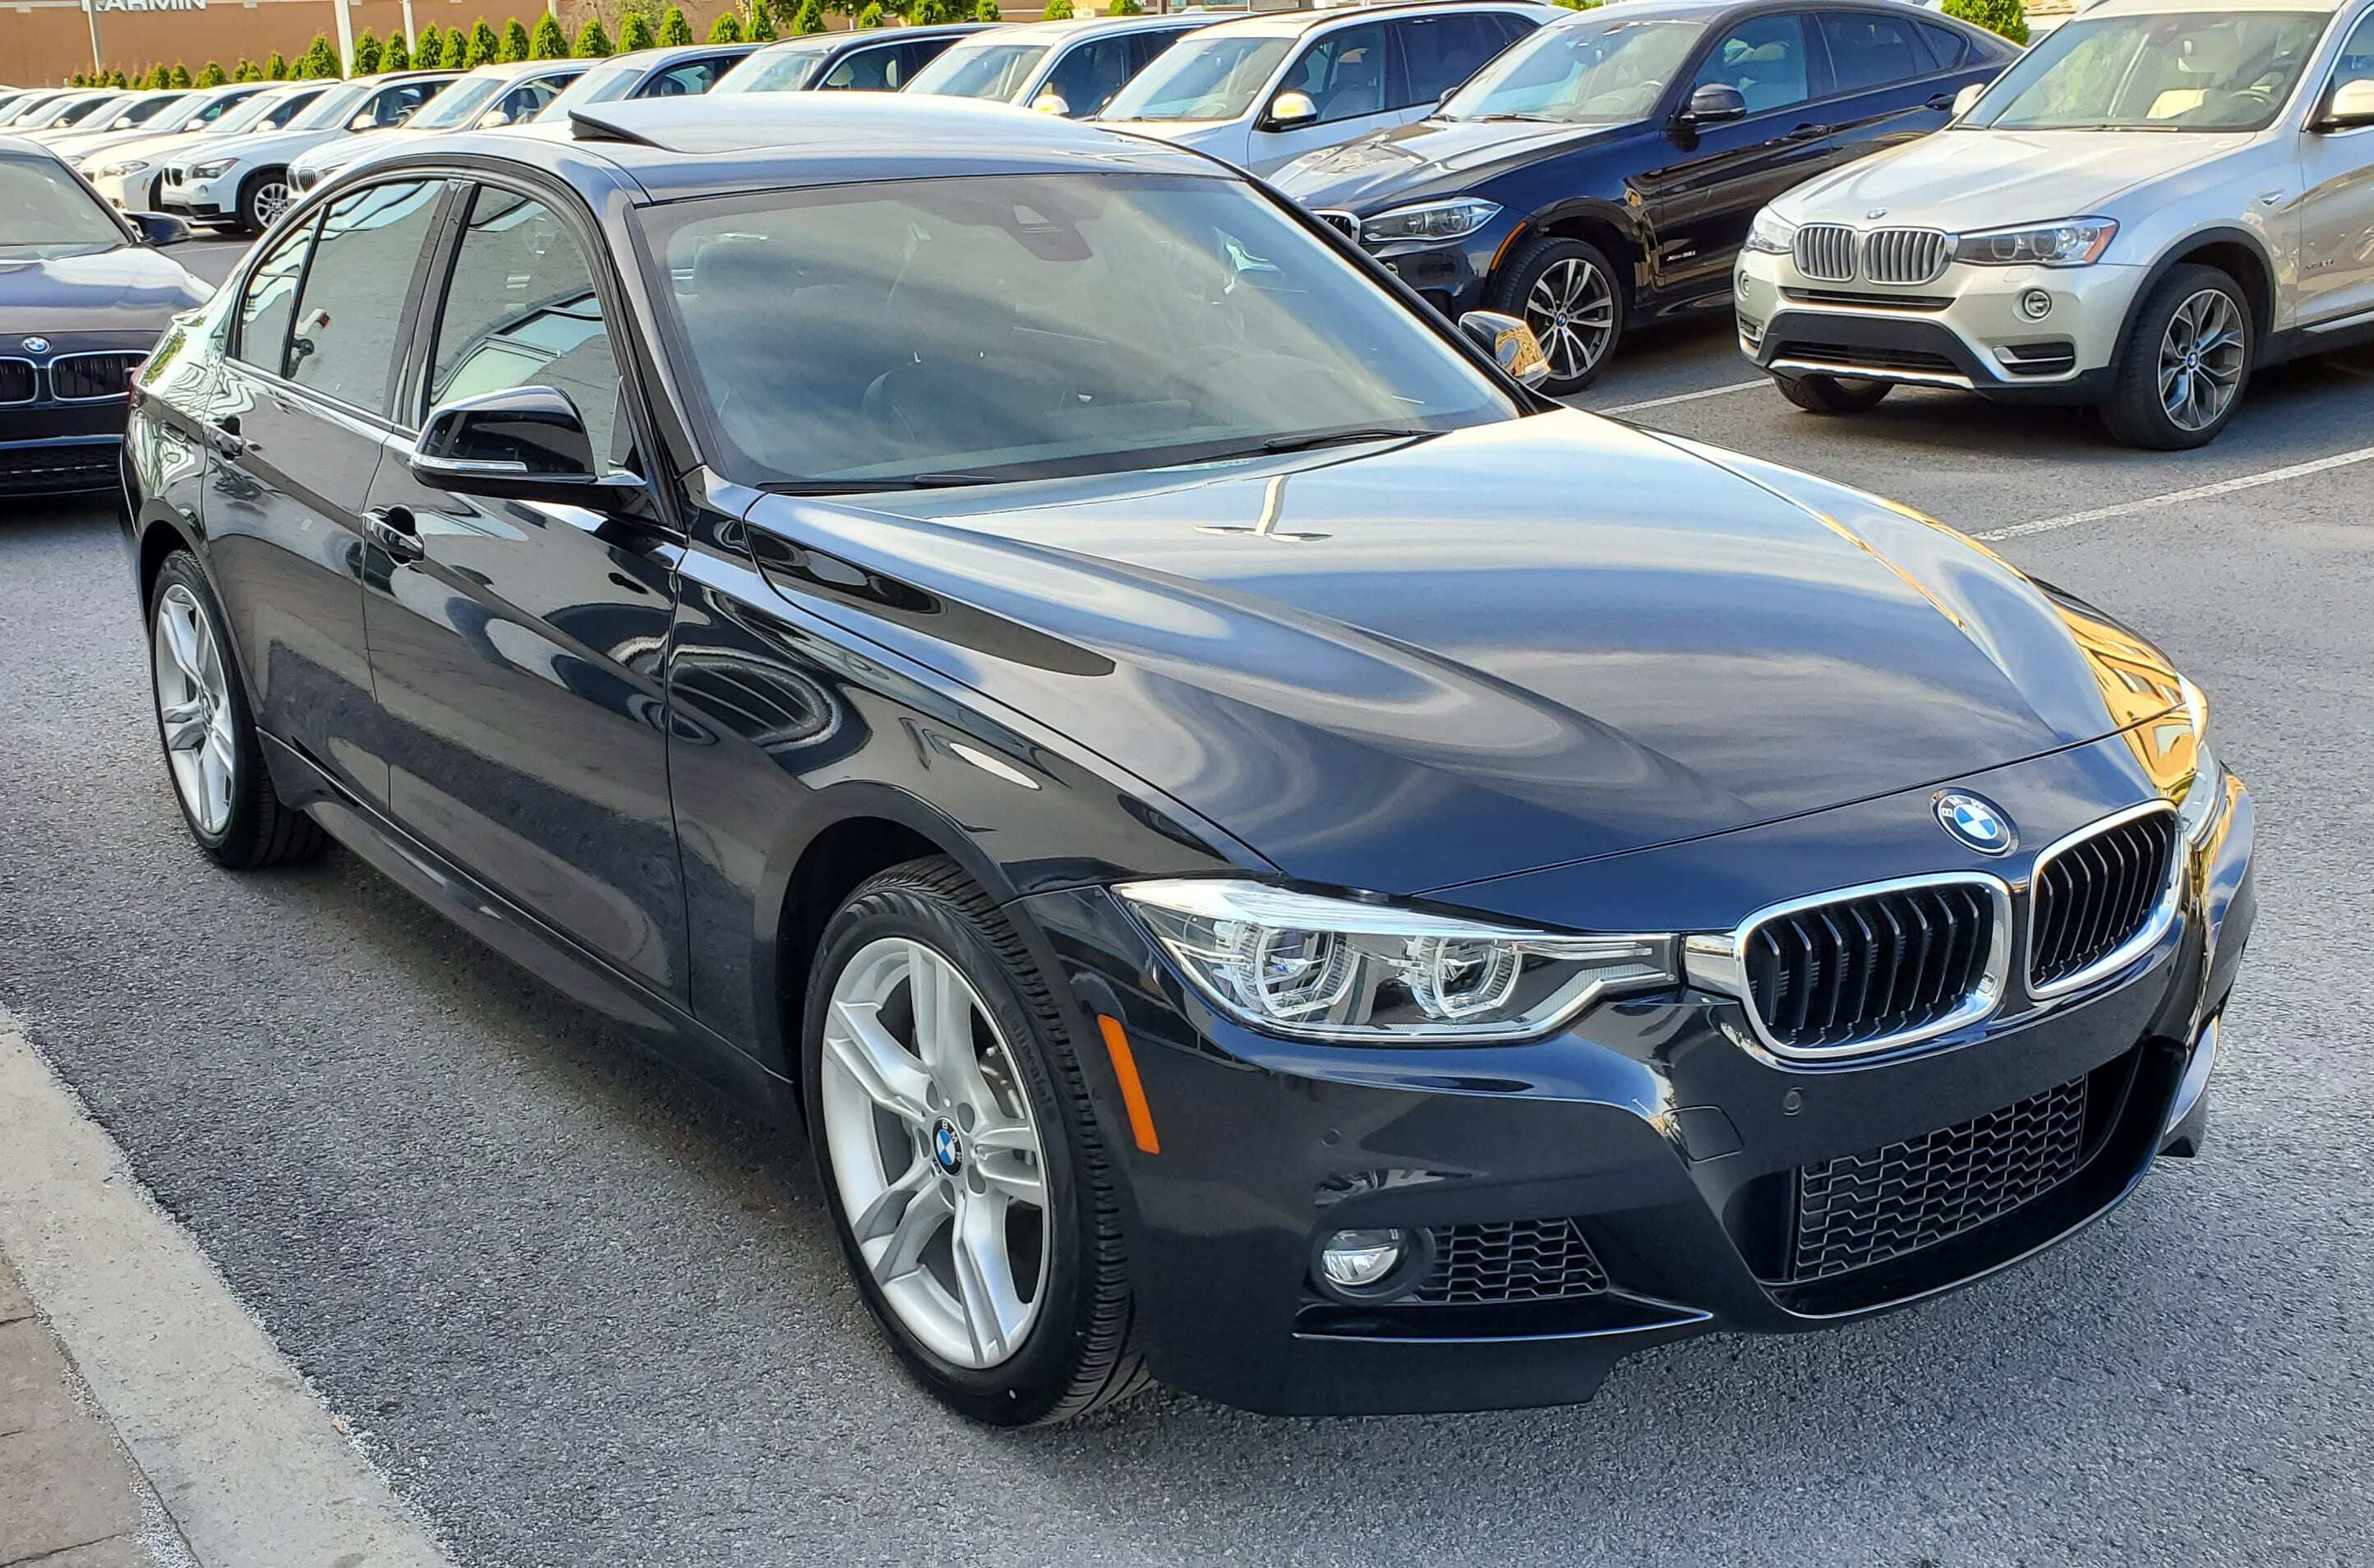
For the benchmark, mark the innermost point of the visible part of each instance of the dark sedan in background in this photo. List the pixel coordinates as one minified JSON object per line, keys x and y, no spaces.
{"x":1263,"y":852}
{"x":1606,"y":169}
{"x":83,"y":296}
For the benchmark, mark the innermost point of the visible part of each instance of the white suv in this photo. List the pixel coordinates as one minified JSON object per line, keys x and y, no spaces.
{"x":243,"y":180}
{"x":2160,"y":198}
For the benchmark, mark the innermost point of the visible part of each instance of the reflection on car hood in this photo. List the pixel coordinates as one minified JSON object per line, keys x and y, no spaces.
{"x":1969,"y":179}
{"x":1411,"y":160}
{"x":129,"y":289}
{"x":255,"y":145}
{"x":1526,"y":643}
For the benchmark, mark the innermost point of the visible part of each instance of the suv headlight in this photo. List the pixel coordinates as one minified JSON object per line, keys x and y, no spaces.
{"x":129,"y":166}
{"x":1452,"y":220}
{"x":2073,"y":241}
{"x":212,"y":169}
{"x":1771,"y":234}
{"x":1343,"y":970}
{"x":2197,"y":808}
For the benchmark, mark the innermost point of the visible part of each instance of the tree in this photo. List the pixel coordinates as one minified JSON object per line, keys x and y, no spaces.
{"x":2005,"y":17}
{"x":428,"y":46}
{"x":1125,"y":9}
{"x":987,"y":11}
{"x":276,"y":67}
{"x":726,"y":28}
{"x":809,"y":18}
{"x":180,"y":76}
{"x":367,"y":53}
{"x":869,"y":18}
{"x":548,"y":42}
{"x":930,"y":13}
{"x":635,"y":33}
{"x":245,"y":71}
{"x":159,"y":77}
{"x":673,"y":29}
{"x":320,"y":60}
{"x":513,"y":44}
{"x":395,"y":57}
{"x":762,"y":27}
{"x":456,"y":54}
{"x":1057,"y":11}
{"x":592,"y":43}
{"x":211,"y":74}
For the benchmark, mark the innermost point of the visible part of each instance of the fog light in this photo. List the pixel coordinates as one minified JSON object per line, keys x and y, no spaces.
{"x":1355,"y":1260}
{"x":2036,"y":304}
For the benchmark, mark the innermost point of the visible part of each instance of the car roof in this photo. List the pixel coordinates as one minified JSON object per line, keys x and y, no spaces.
{"x":1066,"y":32}
{"x":852,"y":37}
{"x":1294,"y":23}
{"x":669,"y":54}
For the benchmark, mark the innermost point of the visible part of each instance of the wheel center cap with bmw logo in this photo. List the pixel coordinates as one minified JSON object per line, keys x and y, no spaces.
{"x":947,"y":1147}
{"x":1976,"y":821}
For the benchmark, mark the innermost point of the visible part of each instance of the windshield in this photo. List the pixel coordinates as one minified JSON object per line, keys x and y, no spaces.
{"x":2190,"y":71}
{"x":1586,"y":73}
{"x":50,"y":214}
{"x":1202,"y":78}
{"x":334,"y":107}
{"x":268,"y":110}
{"x":986,"y":70}
{"x":65,"y":112}
{"x":458,"y":103}
{"x":23,"y":115}
{"x":603,"y":86}
{"x":775,"y":70}
{"x":959,"y":331}
{"x":141,"y":111}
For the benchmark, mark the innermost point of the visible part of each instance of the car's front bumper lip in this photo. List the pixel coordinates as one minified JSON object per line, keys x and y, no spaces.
{"x":1648,"y":1123}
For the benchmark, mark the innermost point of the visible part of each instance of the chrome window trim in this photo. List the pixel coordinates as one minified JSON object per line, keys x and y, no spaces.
{"x":57,"y":360}
{"x":34,"y":366}
{"x":1714,"y":962}
{"x":2163,"y":914}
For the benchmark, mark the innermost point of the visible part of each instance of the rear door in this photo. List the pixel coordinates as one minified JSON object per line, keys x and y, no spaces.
{"x":1884,"y":86}
{"x":2336,"y":232}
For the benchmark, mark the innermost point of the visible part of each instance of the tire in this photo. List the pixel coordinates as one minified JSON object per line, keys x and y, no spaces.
{"x":1828,"y":395}
{"x":1536,"y":281}
{"x":1075,"y":1353}
{"x":254,"y":829}
{"x":255,"y":212}
{"x":2138,"y":410}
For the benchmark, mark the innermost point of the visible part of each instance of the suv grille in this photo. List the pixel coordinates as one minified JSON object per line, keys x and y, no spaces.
{"x":1903,"y":255}
{"x":88,"y":378}
{"x":1862,"y":972}
{"x":16,"y":380}
{"x":1521,"y":1260}
{"x":1865,"y":1209}
{"x":1826,"y":253}
{"x":2096,"y":895}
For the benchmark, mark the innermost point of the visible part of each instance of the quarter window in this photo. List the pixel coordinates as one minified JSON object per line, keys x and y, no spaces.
{"x":1950,"y":47}
{"x":1440,"y":52}
{"x":1765,"y":59}
{"x":1869,"y":52}
{"x":522,"y":310}
{"x":1343,"y":73}
{"x":350,"y":318}
{"x":269,"y":303}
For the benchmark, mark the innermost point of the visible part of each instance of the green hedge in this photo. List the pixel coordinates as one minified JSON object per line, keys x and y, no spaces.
{"x":2005,"y":17}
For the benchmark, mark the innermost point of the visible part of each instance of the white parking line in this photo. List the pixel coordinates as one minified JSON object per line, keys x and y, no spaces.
{"x":1683,"y":397}
{"x":2174,"y":497}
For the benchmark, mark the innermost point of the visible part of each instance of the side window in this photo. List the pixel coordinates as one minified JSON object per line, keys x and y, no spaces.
{"x":1869,"y":51}
{"x":389,"y":108}
{"x":350,"y":319}
{"x":1950,"y":47}
{"x":1145,"y":47}
{"x":1765,"y":59}
{"x":1343,"y":73}
{"x":1440,"y":52}
{"x":522,"y":311}
{"x":2356,"y":62}
{"x":287,"y":110}
{"x":269,"y":304}
{"x":687,"y":80}
{"x":866,"y":70}
{"x":1086,"y":78}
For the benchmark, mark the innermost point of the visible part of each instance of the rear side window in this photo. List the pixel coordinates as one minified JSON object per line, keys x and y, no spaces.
{"x":1143,"y":47}
{"x":1440,"y":52}
{"x":1951,"y":48}
{"x":269,"y":303}
{"x":350,"y":316}
{"x":1765,"y":59}
{"x":1869,"y":52}
{"x":1343,"y":73}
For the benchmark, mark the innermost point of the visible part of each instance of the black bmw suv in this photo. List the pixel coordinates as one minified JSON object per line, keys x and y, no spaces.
{"x":1606,"y":169}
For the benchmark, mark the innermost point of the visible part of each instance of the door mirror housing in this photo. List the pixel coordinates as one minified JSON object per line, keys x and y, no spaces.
{"x":1967,"y":99}
{"x":159,"y":227}
{"x":2351,"y":105}
{"x":1053,"y":103}
{"x":522,"y":443}
{"x":1714,"y":104}
{"x":1511,"y":343}
{"x":1290,"y":112}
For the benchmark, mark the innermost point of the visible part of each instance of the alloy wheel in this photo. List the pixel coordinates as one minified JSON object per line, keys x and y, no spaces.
{"x":271,"y":201}
{"x":2200,"y":359}
{"x":937,"y":1157}
{"x":1572,"y":311}
{"x":194,"y":708}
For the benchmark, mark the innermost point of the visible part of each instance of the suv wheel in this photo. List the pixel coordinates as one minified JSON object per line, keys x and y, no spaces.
{"x":1569,"y":293}
{"x":2187,"y":362}
{"x":1828,"y":395}
{"x":958,"y":1155}
{"x":263,"y":199}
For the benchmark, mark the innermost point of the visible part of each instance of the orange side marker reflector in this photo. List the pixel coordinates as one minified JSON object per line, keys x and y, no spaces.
{"x":1133,"y":1092}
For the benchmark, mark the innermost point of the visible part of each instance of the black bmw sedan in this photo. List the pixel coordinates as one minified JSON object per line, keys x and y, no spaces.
{"x":1262,"y":853}
{"x":1606,"y":169}
{"x":83,"y":295}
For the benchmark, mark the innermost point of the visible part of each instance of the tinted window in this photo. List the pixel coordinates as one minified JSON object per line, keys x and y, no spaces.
{"x":1145,"y":47}
{"x":270,"y":301}
{"x":522,"y":311}
{"x":1869,"y":52}
{"x":1765,"y":59}
{"x":1343,"y":73}
{"x":1950,"y":47}
{"x":1086,"y":78}
{"x":524,"y":102}
{"x":351,"y":317}
{"x":1439,"y":53}
{"x":868,"y":70}
{"x":389,"y":107}
{"x":687,"y":80}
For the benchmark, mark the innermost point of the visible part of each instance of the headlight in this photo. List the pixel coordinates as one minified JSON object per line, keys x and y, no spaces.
{"x":2076,"y":242}
{"x":1431,"y":220}
{"x":1339,"y":969}
{"x":1771,"y":234}
{"x":2196,"y":810}
{"x":210,"y":171}
{"x":129,"y":166}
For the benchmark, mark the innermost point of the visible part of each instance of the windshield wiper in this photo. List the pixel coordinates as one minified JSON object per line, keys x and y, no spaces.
{"x":934,"y":481}
{"x":1536,"y":119}
{"x":1304,"y":443}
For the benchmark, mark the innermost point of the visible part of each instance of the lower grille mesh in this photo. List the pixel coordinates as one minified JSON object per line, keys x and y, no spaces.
{"x":1860,"y":1209}
{"x":1523,"y":1260}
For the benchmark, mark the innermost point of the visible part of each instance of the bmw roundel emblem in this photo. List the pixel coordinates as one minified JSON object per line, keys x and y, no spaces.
{"x":1976,"y":821}
{"x":37,"y":346}
{"x":947,"y":1145}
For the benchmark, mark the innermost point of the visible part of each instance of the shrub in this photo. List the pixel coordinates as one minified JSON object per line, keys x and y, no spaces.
{"x":513,"y":42}
{"x":245,"y":71}
{"x":159,"y":77}
{"x":1580,"y":5}
{"x":809,"y":18}
{"x":548,"y":42}
{"x":635,"y":33}
{"x":320,"y":60}
{"x":1057,"y":11}
{"x":181,"y":78}
{"x":2005,"y":17}
{"x":871,"y":17}
{"x":726,"y":28}
{"x":592,"y":43}
{"x":1125,"y":9}
{"x":396,"y":56}
{"x":367,"y":53}
{"x":276,"y":67}
{"x":930,"y":13}
{"x":429,"y":47}
{"x":456,"y":54}
{"x":987,"y":11}
{"x":673,"y":29}
{"x":211,"y":74}
{"x":761,"y":27}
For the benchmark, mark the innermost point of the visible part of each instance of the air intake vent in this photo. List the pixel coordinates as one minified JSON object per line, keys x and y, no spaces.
{"x":1882,"y":968}
{"x":2099,"y":898}
{"x":1826,"y":253}
{"x":1904,"y":255}
{"x":1524,"y":1260}
{"x":92,"y":378}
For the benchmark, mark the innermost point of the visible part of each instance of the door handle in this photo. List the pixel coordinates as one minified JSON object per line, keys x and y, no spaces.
{"x":1941,"y":100}
{"x":393,"y":530}
{"x":1808,"y":133}
{"x":223,"y":436}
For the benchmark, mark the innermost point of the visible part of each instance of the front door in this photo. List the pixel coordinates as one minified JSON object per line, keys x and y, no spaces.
{"x":517,"y":647}
{"x":2336,"y":231}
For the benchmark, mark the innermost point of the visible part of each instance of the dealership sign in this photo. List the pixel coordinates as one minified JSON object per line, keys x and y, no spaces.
{"x":151,"y":4}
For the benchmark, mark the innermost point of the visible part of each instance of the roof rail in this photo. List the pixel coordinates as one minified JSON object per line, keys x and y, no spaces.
{"x":585,"y":126}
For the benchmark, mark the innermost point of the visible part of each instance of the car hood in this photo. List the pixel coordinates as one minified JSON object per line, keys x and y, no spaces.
{"x":1416,"y":160}
{"x":1966,"y":180}
{"x":129,"y":289}
{"x":1408,"y":664}
{"x":268,"y":146}
{"x":154,"y":144}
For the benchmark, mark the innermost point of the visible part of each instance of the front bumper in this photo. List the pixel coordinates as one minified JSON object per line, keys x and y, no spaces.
{"x":1670,"y":1143}
{"x":1966,"y":331}
{"x":213,"y":200}
{"x":130,"y":193}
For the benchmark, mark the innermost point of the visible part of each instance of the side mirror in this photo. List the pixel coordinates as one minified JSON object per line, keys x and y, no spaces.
{"x":159,"y":227}
{"x":1511,"y":343}
{"x":1967,"y":99}
{"x":522,"y":443}
{"x":1714,"y":104}
{"x":2351,"y":105}
{"x":1290,"y":111}
{"x":1053,"y":103}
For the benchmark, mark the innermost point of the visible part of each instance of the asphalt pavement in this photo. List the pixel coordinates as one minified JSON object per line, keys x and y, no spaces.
{"x":581,"y":1316}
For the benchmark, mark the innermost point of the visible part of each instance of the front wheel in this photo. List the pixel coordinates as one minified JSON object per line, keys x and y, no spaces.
{"x":958,"y":1155}
{"x":1567,"y":292}
{"x":2186,"y":365}
{"x":1828,"y":395}
{"x":263,"y":199}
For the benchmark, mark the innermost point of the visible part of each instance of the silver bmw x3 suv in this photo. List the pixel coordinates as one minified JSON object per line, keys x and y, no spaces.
{"x":2161,"y":197}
